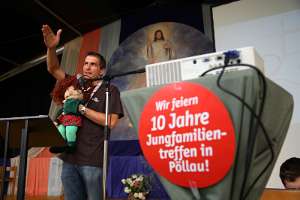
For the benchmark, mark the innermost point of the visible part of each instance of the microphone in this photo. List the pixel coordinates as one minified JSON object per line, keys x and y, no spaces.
{"x":81,"y":80}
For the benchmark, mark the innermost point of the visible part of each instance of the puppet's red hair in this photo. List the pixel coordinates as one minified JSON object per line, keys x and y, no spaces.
{"x":61,"y":86}
{"x":58,"y":92}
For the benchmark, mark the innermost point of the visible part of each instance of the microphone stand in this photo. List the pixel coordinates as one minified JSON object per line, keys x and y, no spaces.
{"x":106,"y":80}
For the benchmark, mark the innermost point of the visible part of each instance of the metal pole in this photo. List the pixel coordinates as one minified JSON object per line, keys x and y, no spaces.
{"x":106,"y":138}
{"x":59,"y":18}
{"x":5,"y":158}
{"x":27,"y":65}
{"x":23,"y":162}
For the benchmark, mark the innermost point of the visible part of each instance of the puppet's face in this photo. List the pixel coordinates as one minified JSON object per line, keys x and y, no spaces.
{"x":71,"y":93}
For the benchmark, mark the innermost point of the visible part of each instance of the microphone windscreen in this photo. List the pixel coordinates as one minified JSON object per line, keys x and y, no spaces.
{"x":81,"y":80}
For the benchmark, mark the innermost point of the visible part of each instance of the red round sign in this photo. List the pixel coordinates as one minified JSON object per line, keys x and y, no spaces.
{"x":187,"y":135}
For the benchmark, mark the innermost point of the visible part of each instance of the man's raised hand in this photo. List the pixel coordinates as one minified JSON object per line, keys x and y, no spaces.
{"x":51,"y":40}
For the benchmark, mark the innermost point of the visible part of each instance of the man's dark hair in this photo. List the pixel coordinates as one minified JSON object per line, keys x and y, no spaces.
{"x":99,"y":56}
{"x":290,"y":170}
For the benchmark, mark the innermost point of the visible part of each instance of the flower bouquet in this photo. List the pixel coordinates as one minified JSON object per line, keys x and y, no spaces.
{"x":137,"y":186}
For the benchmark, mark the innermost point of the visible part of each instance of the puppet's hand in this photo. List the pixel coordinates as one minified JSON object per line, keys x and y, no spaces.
{"x":71,"y":106}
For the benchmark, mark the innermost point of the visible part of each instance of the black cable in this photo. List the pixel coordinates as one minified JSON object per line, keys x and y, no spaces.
{"x":258,"y":118}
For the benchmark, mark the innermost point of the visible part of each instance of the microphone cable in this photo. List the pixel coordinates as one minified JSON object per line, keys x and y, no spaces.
{"x":257,"y":117}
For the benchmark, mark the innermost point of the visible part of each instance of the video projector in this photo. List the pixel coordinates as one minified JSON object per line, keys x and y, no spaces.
{"x":193,"y":67}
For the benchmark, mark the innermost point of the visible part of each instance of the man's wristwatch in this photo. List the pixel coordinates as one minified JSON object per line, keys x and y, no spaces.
{"x":82,"y":109}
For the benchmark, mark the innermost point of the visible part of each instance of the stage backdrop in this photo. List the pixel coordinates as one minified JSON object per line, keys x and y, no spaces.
{"x":142,"y":48}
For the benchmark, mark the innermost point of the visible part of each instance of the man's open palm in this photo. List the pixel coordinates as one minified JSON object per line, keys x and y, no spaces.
{"x":51,"y":40}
